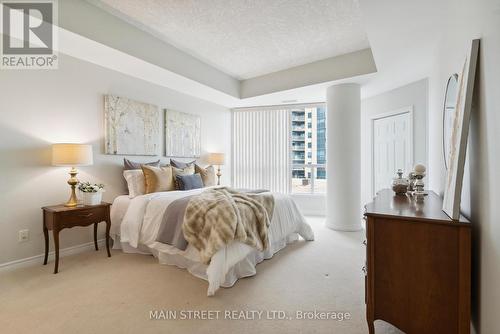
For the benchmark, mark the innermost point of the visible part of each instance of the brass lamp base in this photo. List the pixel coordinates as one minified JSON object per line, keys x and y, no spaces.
{"x":73,"y":181}
{"x":218,"y":175}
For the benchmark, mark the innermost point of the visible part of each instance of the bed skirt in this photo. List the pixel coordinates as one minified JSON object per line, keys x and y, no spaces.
{"x":189,"y":260}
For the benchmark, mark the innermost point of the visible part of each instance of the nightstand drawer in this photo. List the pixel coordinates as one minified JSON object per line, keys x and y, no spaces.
{"x":83,"y":217}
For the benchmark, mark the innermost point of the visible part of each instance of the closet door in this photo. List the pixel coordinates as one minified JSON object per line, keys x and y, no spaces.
{"x":392,"y":148}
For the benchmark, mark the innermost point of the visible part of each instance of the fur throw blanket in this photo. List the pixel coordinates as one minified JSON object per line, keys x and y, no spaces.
{"x":219,"y":216}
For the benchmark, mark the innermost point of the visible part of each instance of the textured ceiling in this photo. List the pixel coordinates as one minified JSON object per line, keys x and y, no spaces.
{"x":248,"y":38}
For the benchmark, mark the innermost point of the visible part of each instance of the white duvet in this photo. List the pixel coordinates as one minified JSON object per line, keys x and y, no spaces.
{"x":138,"y":229}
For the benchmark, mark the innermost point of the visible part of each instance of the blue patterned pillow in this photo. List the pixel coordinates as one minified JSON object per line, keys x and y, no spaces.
{"x":188,"y":182}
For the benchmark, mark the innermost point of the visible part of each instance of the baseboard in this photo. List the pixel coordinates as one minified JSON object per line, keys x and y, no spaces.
{"x":38,"y":259}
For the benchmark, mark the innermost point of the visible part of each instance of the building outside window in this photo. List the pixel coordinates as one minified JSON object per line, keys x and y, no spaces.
{"x":308,"y":149}
{"x":321,"y":143}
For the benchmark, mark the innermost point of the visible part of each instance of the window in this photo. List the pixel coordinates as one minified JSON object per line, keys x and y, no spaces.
{"x":308,"y":162}
{"x":291,"y":161}
{"x":249,"y":127}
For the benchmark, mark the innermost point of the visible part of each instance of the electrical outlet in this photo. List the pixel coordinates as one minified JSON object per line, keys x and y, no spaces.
{"x":24,"y":235}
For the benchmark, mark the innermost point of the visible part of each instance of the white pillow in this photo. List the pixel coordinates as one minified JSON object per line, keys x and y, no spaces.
{"x":135,"y":182}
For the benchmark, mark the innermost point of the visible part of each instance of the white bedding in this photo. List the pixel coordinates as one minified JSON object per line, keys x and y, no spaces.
{"x":135,"y":225}
{"x":118,"y":210}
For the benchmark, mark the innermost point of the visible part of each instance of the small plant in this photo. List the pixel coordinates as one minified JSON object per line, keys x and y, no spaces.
{"x":88,"y":187}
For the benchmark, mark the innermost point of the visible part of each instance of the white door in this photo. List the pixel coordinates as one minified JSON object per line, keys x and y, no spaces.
{"x":392,"y":148}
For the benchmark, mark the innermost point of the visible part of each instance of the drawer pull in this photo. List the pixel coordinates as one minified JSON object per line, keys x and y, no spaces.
{"x":86,"y":215}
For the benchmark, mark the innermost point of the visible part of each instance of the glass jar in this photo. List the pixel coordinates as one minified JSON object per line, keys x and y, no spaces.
{"x":400,"y":184}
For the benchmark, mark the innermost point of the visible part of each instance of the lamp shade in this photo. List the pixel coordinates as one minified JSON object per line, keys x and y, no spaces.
{"x":72,"y":155}
{"x":216,"y":158}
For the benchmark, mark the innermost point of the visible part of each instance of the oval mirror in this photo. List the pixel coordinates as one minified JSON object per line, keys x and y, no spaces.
{"x":450,"y":103}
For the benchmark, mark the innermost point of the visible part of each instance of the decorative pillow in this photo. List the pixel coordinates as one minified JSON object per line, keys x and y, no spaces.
{"x":207,"y":175}
{"x":181,"y":171}
{"x":158,"y":179}
{"x":129,"y":164}
{"x":135,"y":182}
{"x":180,"y":164}
{"x":188,"y":182}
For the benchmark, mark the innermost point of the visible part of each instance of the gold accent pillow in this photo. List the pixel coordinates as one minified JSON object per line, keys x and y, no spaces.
{"x":158,"y":179}
{"x":189,"y":170}
{"x":207,"y":175}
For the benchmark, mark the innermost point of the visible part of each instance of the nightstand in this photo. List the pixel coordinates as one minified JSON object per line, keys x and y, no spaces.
{"x":59,"y":217}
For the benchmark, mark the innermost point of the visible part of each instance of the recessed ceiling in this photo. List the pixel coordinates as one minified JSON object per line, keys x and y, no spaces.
{"x":246,"y":38}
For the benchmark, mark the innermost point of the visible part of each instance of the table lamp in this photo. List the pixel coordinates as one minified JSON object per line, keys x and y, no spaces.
{"x":216,"y":159}
{"x":72,"y":155}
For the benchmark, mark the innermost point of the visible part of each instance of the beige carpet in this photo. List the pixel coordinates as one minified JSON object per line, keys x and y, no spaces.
{"x":96,"y":294}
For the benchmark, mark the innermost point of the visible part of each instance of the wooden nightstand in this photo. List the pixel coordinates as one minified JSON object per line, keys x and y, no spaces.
{"x":58,"y":217}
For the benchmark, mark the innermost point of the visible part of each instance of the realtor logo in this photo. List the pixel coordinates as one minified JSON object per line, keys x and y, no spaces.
{"x":28,"y":34}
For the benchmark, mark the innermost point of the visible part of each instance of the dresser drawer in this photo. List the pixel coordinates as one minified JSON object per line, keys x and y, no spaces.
{"x":82,"y":217}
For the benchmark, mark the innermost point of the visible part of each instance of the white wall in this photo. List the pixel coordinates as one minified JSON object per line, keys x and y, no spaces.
{"x":38,"y":108}
{"x":465,"y":20}
{"x":414,"y":95}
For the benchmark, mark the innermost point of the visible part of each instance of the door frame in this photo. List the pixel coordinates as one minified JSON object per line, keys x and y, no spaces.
{"x":405,"y":110}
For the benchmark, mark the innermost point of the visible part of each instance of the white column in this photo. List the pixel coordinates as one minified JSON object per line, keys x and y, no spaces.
{"x":343,"y":157}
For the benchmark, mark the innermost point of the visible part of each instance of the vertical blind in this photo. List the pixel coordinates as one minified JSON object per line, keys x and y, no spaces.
{"x":261,"y":149}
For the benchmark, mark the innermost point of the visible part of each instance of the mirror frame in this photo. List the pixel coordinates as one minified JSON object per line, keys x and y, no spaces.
{"x":455,"y":77}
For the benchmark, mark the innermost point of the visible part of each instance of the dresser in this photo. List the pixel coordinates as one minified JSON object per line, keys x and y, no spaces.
{"x":418,"y":265}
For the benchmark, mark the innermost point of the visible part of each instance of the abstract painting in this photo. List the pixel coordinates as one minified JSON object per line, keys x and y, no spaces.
{"x":131,"y":127}
{"x":459,"y":134}
{"x":182,"y":134}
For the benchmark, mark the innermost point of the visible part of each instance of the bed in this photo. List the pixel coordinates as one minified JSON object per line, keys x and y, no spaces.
{"x":135,"y":225}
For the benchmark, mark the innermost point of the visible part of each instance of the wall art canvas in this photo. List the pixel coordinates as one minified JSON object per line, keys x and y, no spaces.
{"x":182,"y":134}
{"x":131,"y":127}
{"x":459,"y":134}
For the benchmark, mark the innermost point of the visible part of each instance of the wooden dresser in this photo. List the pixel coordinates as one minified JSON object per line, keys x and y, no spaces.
{"x":418,"y":266}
